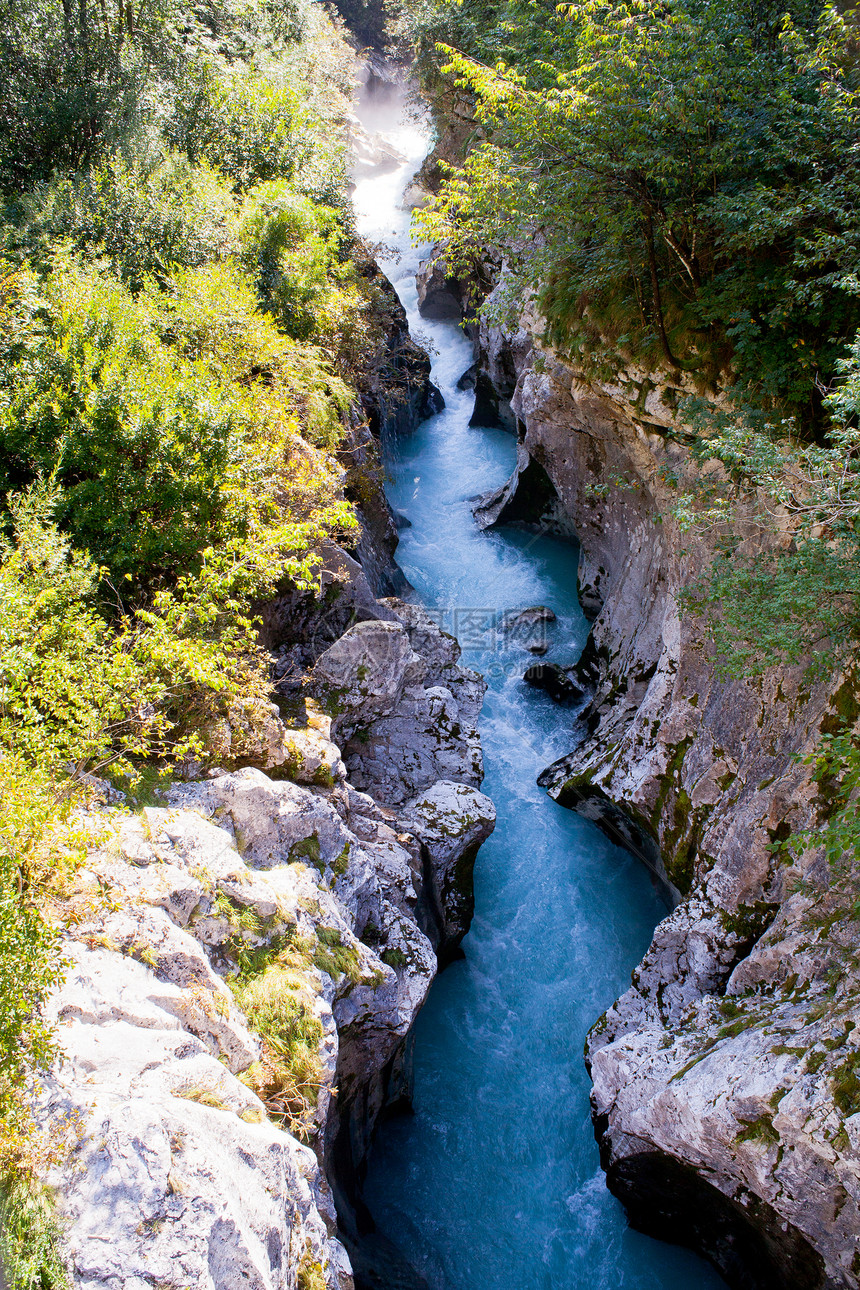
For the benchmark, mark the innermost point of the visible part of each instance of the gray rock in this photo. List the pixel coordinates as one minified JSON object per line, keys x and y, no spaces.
{"x":526,"y":617}
{"x":438,"y":293}
{"x":366,"y":672}
{"x":178,"y":1174}
{"x":552,"y":679}
{"x":450,"y":821}
{"x":715,"y":1074}
{"x":415,"y":197}
{"x":269,"y":819}
{"x":406,"y":711}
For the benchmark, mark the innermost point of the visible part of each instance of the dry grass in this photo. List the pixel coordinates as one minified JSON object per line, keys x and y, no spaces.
{"x":288,"y":1079}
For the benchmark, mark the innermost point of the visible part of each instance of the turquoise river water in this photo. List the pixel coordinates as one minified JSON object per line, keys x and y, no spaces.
{"x":494,"y":1183}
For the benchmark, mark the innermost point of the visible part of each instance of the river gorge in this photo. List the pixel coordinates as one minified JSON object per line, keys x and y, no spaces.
{"x":494,"y":1179}
{"x":471,"y":945}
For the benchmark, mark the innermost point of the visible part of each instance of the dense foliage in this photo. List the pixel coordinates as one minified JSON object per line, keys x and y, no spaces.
{"x":182,"y":316}
{"x":677,"y":185}
{"x":680,"y":183}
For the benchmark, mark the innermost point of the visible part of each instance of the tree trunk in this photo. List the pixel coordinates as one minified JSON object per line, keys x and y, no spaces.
{"x":67,"y":23}
{"x":84,"y":33}
{"x":655,"y":291}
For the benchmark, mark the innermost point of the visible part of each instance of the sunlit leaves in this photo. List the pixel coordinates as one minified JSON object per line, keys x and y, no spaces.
{"x":165,"y":416}
{"x":681,"y":183}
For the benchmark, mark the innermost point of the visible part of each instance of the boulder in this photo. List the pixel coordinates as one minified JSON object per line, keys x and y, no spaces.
{"x":427,"y":733}
{"x":451,"y":821}
{"x":554,"y":681}
{"x":364,"y":673}
{"x":415,"y":196}
{"x":526,"y":617}
{"x":439,"y":294}
{"x":272,"y":821}
{"x":311,"y":757}
{"x":177,"y":1173}
{"x":469,"y":378}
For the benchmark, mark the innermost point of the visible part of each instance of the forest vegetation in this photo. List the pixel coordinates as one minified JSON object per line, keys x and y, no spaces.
{"x":184,"y":312}
{"x":184,"y":318}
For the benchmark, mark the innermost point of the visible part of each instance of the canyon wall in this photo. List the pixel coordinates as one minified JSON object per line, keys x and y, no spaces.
{"x":725,"y":1093}
{"x":247,"y":953}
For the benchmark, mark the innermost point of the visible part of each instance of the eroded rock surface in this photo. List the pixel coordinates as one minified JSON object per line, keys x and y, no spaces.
{"x":409,"y":721}
{"x":180,"y":1178}
{"x":183,"y":1175}
{"x":723,"y":1078}
{"x":450,"y":821}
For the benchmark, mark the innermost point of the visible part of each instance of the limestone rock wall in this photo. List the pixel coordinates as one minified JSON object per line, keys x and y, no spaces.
{"x":395,"y":395}
{"x":181,"y":1173}
{"x":723,"y":1077}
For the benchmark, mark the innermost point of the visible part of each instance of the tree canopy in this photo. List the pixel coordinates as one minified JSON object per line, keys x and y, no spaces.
{"x":679,"y":182}
{"x":677,"y":186}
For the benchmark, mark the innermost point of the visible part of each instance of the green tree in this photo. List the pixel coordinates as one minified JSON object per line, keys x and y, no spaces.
{"x":679,"y":184}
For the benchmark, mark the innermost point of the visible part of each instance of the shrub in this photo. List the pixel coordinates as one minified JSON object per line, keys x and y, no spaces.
{"x":68,"y":691}
{"x":280,"y":1011}
{"x":293,"y":248}
{"x":143,"y":216}
{"x":248,"y":123}
{"x":312,"y":276}
{"x":77,"y":80}
{"x":165,"y":418}
{"x":680,"y":182}
{"x":31,"y":1252}
{"x":80,"y":692}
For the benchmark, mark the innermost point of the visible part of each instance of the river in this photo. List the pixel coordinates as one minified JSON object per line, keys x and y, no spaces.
{"x":494,"y":1183}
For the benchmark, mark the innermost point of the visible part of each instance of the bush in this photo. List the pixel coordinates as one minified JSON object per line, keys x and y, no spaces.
{"x":77,"y":80}
{"x":169,"y":420}
{"x":294,"y":249}
{"x":312,"y":275}
{"x":31,"y":1245}
{"x":65,"y":86}
{"x":249,"y":124}
{"x":144,"y":217}
{"x":80,"y":692}
{"x":67,"y":694}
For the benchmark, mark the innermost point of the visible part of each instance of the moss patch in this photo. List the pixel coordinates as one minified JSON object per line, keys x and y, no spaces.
{"x":846,"y":1085}
{"x":308,"y":849}
{"x":748,"y":923}
{"x":335,"y":958}
{"x":760,"y":1130}
{"x":311,"y":1275}
{"x":341,"y":863}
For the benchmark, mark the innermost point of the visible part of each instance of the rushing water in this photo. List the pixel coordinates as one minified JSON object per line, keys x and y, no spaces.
{"x":494,"y":1183}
